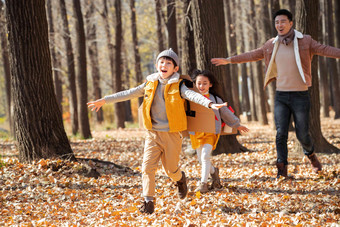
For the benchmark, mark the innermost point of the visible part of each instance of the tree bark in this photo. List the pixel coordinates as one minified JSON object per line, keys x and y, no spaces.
{"x":231,"y":32}
{"x":55,"y":61}
{"x":38,"y":124}
{"x":245,"y":101}
{"x":119,"y":107}
{"x":160,"y":37}
{"x":323,"y":73}
{"x":91,"y":30}
{"x":260,"y":96}
{"x":109,"y":45}
{"x":138,"y":69}
{"x":82,"y":72}
{"x":6,"y":65}
{"x":188,"y":46}
{"x":331,"y":62}
{"x":70,"y":69}
{"x":309,"y":9}
{"x":208,"y":19}
{"x":171,"y":25}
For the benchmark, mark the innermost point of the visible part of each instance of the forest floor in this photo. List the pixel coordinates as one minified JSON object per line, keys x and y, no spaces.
{"x":54,"y":193}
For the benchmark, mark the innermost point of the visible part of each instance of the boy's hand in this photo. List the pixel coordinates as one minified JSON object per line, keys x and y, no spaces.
{"x":242,"y":128}
{"x":217,"y":106}
{"x":220,"y":61}
{"x":95,"y":105}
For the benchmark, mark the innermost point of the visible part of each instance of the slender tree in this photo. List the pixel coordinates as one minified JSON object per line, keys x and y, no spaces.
{"x":208,"y":19}
{"x":308,"y":9}
{"x":82,"y":71}
{"x":323,"y":72}
{"x":138,"y":69}
{"x":6,"y":65}
{"x":231,"y":32}
{"x":91,"y":36}
{"x":109,"y":44}
{"x":171,"y":25}
{"x":55,"y":61}
{"x":188,"y":46}
{"x":39,"y":128}
{"x":70,"y":69}
{"x":119,"y":107}
{"x":331,"y":62}
{"x":260,"y":96}
{"x":160,"y":37}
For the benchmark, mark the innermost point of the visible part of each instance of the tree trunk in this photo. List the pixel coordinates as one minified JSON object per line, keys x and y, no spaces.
{"x":70,"y":69}
{"x":323,"y":73}
{"x":119,"y":107}
{"x":231,"y":32}
{"x":260,"y":96}
{"x":93,"y":54}
{"x":82,"y":72}
{"x":244,"y":71}
{"x":55,"y":61}
{"x":138,"y":70}
{"x":331,"y":63}
{"x":38,"y":124}
{"x":188,"y":46}
{"x":208,"y":19}
{"x":265,"y":33}
{"x":309,"y":9}
{"x":171,"y":25}
{"x":160,"y":37}
{"x":6,"y":64}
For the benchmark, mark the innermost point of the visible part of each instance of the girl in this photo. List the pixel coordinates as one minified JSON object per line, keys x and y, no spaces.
{"x":205,"y":143}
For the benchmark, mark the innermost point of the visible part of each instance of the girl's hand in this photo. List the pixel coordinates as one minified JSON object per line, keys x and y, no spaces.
{"x":220,"y":61}
{"x":96,"y":105}
{"x":242,"y":128}
{"x":217,"y":106}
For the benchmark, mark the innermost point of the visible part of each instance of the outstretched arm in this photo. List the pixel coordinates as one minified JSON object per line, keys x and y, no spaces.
{"x":217,"y":106}
{"x":96,"y":105}
{"x":242,"y":128}
{"x":220,"y":61}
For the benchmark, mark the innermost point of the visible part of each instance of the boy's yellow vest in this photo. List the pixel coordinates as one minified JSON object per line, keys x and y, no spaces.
{"x":174,"y":105}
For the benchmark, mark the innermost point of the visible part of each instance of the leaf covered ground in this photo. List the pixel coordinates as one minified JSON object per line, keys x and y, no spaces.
{"x":55,"y":193}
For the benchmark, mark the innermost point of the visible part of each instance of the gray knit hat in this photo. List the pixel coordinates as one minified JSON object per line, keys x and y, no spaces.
{"x":168,"y":53}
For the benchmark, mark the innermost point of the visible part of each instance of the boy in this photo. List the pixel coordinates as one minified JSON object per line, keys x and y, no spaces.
{"x":164,"y":118}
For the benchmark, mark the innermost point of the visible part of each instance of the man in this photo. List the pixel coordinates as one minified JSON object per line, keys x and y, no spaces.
{"x":288,"y":59}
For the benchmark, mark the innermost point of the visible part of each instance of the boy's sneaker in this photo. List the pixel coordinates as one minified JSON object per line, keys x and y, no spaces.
{"x":203,"y":187}
{"x":216,"y":182}
{"x":147,"y":207}
{"x":182,"y":186}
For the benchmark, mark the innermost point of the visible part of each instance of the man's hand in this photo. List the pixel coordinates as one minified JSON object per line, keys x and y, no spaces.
{"x":96,"y":105}
{"x":220,"y":61}
{"x":217,"y":106}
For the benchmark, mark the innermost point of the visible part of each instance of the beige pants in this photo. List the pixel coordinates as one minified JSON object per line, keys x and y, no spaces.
{"x":165,"y":146}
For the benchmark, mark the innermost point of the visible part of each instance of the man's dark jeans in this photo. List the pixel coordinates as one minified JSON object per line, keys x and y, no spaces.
{"x":296,"y":103}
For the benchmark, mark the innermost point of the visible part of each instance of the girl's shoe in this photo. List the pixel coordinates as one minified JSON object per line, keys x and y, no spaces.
{"x":203,"y":187}
{"x":216,"y":183}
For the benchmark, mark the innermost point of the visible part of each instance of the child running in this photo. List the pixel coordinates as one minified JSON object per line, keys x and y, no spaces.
{"x":205,"y":143}
{"x":164,"y":118}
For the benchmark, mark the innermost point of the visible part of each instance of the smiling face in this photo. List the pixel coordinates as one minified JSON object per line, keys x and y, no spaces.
{"x":282,"y":24}
{"x":166,"y":67}
{"x":203,"y":84}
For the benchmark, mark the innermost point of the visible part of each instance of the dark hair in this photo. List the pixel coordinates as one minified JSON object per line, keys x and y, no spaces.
{"x":169,"y":59}
{"x":283,"y":12}
{"x":215,"y":88}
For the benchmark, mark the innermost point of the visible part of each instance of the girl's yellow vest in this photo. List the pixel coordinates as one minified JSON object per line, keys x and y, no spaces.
{"x":174,"y":105}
